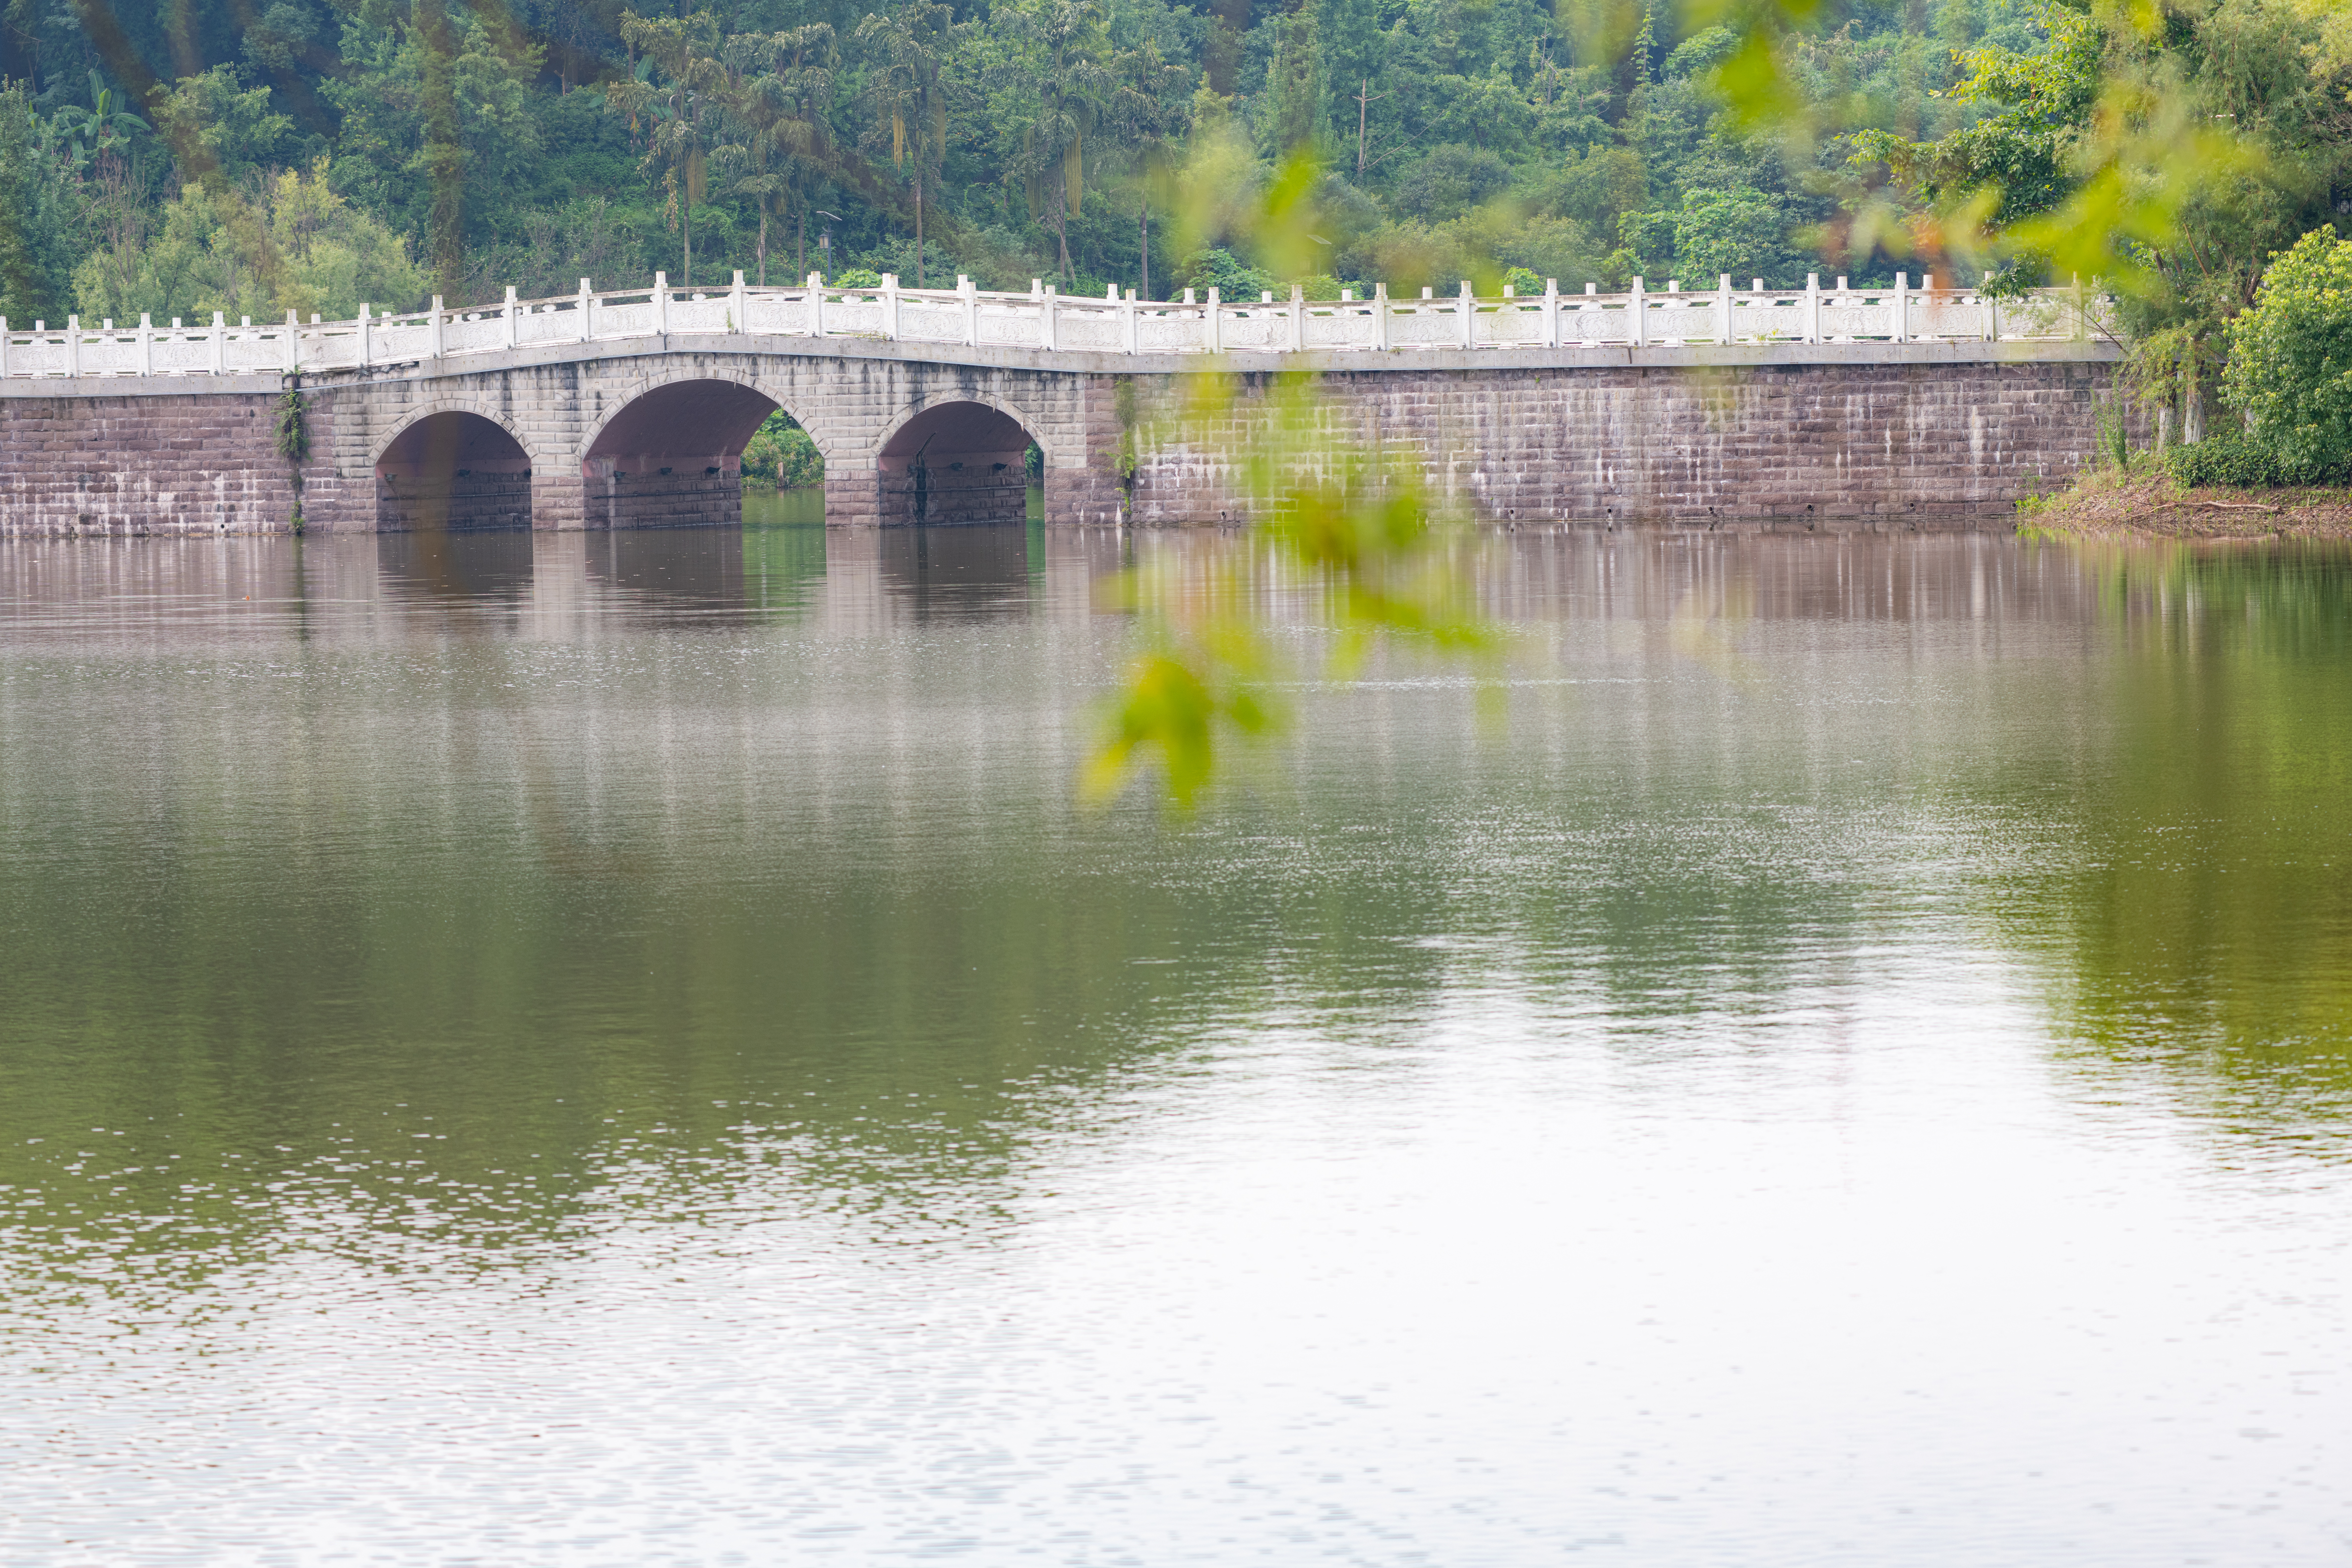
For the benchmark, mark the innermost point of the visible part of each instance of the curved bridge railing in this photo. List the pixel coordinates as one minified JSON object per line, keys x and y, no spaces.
{"x":966,"y":316}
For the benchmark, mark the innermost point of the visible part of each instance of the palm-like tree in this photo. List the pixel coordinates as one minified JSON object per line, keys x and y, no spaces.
{"x":778,"y":142}
{"x":906,"y":45}
{"x":104,"y":129}
{"x":1059,"y":74}
{"x":683,"y":107}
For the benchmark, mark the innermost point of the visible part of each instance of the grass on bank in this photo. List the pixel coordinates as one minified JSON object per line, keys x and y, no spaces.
{"x":2144,"y":499}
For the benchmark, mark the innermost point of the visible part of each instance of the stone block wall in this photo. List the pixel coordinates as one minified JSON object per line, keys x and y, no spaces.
{"x":1881,"y":445}
{"x":656,"y":502}
{"x":1930,"y":435}
{"x":196,"y":463}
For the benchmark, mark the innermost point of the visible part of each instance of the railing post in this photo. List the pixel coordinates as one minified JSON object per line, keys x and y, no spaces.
{"x":1216,"y":321}
{"x":971,"y":292}
{"x":146,"y":345}
{"x":1723,"y":307}
{"x":587,"y":312}
{"x":1551,"y":312}
{"x":4,"y":346}
{"x":1992,"y":309}
{"x":220,"y":343}
{"x":815,"y":305}
{"x":1902,"y":306}
{"x":289,"y":352}
{"x":889,"y":307}
{"x":1380,"y":315}
{"x":739,"y":308}
{"x":366,"y":353}
{"x":73,"y":346}
{"x":1046,"y":319}
{"x":1297,"y":319}
{"x":1812,"y":307}
{"x":2082,"y":324}
{"x":1640,"y":337}
{"x":433,"y":336}
{"x":1132,"y":319}
{"x":1469,"y":312}
{"x":661,"y":304}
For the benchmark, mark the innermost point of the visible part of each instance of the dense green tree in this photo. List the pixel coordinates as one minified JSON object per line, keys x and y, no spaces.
{"x":324,"y":257}
{"x":2290,"y":365}
{"x":35,"y":258}
{"x":438,"y":136}
{"x":2098,"y":148}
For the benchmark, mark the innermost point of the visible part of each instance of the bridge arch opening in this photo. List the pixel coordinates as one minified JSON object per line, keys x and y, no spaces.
{"x":673,"y":457}
{"x":955,"y":463}
{"x":453,"y":470}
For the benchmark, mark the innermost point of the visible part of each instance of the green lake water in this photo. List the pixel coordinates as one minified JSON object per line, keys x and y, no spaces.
{"x":625,"y":1048}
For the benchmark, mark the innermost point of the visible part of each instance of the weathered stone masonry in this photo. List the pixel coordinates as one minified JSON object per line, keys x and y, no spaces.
{"x":650,"y":431}
{"x":1903,"y":444}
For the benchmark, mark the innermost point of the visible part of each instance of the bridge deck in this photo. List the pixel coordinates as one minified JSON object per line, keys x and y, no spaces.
{"x":1044,"y":331}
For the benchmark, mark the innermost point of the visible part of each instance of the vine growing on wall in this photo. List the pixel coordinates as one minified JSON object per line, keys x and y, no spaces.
{"x":294,"y":441}
{"x":1123,"y":406}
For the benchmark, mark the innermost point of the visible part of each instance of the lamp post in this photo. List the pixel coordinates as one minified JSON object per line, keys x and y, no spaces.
{"x":824,"y":242}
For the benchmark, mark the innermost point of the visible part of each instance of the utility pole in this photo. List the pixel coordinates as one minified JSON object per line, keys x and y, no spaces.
{"x":1364,"y":96}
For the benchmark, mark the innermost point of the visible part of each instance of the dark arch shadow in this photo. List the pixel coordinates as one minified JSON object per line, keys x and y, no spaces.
{"x":674,"y":456}
{"x":452,"y":471}
{"x":955,"y":463}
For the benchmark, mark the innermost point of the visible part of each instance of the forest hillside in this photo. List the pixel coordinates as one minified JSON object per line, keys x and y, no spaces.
{"x":254,"y":156}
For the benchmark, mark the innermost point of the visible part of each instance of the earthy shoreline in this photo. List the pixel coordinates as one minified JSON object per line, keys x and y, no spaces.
{"x":2103,"y":506}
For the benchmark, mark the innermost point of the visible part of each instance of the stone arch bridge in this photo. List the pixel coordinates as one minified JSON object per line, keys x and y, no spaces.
{"x":1678,"y":407}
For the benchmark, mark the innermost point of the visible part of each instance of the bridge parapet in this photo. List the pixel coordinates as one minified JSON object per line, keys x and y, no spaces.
{"x":1051,"y":323}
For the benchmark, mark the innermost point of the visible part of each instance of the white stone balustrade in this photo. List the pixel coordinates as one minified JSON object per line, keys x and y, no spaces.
{"x":1042,"y":319}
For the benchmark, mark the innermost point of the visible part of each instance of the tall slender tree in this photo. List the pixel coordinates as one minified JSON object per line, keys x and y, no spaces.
{"x":778,"y":139}
{"x":907,"y":45}
{"x":684,"y":105}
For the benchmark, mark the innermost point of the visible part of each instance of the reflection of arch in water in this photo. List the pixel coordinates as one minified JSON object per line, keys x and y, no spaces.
{"x":956,"y":459}
{"x":451,"y":467}
{"x":672,"y":455}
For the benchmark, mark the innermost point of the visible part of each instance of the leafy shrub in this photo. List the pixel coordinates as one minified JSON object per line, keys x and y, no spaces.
{"x":1646,"y":241}
{"x":1740,"y":231}
{"x":2222,"y":458}
{"x":1226,"y":273}
{"x":1550,"y":247}
{"x":1702,"y":52}
{"x":2290,"y":368}
{"x":1452,"y":180}
{"x":781,"y":454}
{"x":2230,"y":458}
{"x":857,"y":277}
{"x":1523,"y":280}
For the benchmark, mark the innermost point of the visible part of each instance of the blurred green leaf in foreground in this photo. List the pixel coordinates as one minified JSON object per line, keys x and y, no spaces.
{"x":1348,"y":524}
